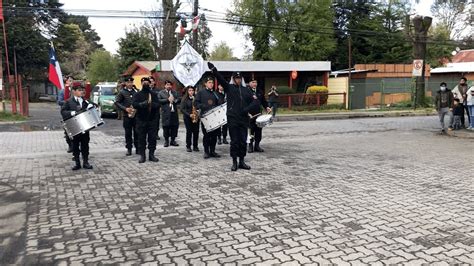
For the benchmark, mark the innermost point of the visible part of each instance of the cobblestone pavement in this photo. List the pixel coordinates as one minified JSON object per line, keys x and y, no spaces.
{"x":376,"y":191}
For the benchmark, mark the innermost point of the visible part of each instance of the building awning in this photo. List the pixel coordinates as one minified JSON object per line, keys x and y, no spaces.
{"x":353,"y":71}
{"x":466,"y":67}
{"x":263,"y":66}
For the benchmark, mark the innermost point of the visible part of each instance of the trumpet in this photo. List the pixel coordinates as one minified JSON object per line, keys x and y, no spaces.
{"x":132,"y":113}
{"x":194,"y":114}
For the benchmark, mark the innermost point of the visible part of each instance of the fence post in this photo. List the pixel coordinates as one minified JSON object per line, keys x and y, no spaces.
{"x":344,"y":98}
{"x":318,"y":99}
{"x":20,"y":95}
{"x":289,"y":101}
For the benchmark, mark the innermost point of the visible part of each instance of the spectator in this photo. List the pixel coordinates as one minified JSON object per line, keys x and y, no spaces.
{"x":460,"y":92}
{"x":458,"y":112}
{"x":273,"y":99}
{"x":444,"y":105}
{"x":470,"y":106}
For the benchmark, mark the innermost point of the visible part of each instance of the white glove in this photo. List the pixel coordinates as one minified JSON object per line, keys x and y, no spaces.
{"x":89,"y":106}
{"x":73,"y":113}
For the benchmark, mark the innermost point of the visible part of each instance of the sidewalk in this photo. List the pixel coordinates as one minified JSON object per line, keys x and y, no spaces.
{"x":351,"y":114}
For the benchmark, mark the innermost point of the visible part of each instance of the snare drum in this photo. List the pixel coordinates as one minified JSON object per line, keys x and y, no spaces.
{"x":264,"y":120}
{"x":215,"y":118}
{"x":82,"y":122}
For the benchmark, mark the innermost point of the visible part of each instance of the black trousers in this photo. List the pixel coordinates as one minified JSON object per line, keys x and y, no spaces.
{"x":192,"y":133}
{"x":209,"y":140}
{"x":255,"y":132}
{"x":80,"y":145}
{"x":170,"y":131}
{"x":68,"y":140}
{"x":222,"y":131}
{"x":238,"y":141}
{"x":131,"y":135}
{"x":146,"y":133}
{"x":158,"y":123}
{"x":466,"y":111}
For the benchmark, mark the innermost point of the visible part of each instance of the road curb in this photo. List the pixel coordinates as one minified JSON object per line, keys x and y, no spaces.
{"x":333,"y":116}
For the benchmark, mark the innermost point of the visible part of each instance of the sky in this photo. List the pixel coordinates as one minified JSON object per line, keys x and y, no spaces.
{"x":111,"y":29}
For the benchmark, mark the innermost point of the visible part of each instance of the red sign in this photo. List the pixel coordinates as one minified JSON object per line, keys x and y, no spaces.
{"x":294,"y":74}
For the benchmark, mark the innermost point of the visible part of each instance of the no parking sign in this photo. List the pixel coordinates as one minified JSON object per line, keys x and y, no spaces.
{"x":417,"y":67}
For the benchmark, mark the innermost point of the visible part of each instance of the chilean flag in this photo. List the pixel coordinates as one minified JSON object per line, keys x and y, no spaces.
{"x":55,"y":74}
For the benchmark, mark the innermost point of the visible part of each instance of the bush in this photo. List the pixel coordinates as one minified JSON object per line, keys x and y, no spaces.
{"x":285,"y":90}
{"x":313,"y":99}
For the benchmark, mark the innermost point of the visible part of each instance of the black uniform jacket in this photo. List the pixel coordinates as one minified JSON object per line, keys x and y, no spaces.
{"x":169,"y":118}
{"x":146,"y":111}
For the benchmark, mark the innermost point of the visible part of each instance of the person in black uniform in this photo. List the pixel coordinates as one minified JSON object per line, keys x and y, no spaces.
{"x":157,"y":90}
{"x":169,"y":101}
{"x":207,"y":99}
{"x":123,"y":101}
{"x":61,"y":101}
{"x":146,"y":103}
{"x":192,"y":128}
{"x":255,"y":131}
{"x":80,"y":143}
{"x":239,"y":102}
{"x":222,"y":131}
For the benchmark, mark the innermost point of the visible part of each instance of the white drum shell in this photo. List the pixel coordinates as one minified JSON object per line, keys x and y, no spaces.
{"x":82,"y":122}
{"x":215,"y":118}
{"x":264,"y":120}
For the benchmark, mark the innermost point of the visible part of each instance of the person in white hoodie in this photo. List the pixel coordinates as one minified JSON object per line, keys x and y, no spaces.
{"x":470,"y":106}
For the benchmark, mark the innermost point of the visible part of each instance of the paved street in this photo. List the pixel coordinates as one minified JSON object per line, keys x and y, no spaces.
{"x":378,"y":191}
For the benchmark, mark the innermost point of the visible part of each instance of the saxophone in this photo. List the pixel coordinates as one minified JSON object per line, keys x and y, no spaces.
{"x":194,"y":113}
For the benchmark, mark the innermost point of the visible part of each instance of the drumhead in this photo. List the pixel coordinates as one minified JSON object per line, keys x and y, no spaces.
{"x":264,"y":118}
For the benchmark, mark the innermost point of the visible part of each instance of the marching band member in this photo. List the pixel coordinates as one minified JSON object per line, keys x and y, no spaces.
{"x":239,"y":101}
{"x":123,"y":101}
{"x":255,"y":131}
{"x":191,"y":119}
{"x":169,"y":101}
{"x":80,"y":143}
{"x":146,"y":102}
{"x":157,"y":90}
{"x":222,"y":133}
{"x":206,"y":100}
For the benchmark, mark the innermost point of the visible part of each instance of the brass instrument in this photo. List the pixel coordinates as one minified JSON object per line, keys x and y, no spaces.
{"x":194,"y":114}
{"x":132,"y":113}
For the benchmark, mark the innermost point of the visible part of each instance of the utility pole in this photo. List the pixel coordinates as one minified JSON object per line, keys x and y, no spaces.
{"x":421,"y":26}
{"x":349,"y":44}
{"x":195,"y":32}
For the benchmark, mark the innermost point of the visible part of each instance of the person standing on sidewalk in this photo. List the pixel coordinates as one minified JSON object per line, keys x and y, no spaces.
{"x":273,"y":99}
{"x":470,"y":106}
{"x":191,"y":120}
{"x":460,"y":92}
{"x":256,"y":131}
{"x":169,"y":101}
{"x":80,"y":143}
{"x":146,"y":103}
{"x":444,"y":105}
{"x":222,"y":132}
{"x":123,"y":102}
{"x":61,"y":102}
{"x":156,"y":89}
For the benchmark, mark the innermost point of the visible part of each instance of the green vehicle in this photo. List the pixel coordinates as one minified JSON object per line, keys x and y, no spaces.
{"x":103,"y":94}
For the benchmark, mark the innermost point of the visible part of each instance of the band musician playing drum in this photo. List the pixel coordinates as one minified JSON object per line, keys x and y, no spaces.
{"x":206,"y":100}
{"x":80,"y":143}
{"x":239,"y":102}
{"x":255,"y":131}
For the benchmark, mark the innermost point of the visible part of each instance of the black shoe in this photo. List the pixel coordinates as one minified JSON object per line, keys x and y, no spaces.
{"x":129,"y":152}
{"x":219,"y":141}
{"x":69,"y":149}
{"x":234,"y":165}
{"x":167,"y":144}
{"x":214,"y":154}
{"x":250,"y":150}
{"x":225,"y":141}
{"x":243,"y":165}
{"x":206,"y":155}
{"x":195,"y":149}
{"x":78,"y":164}
{"x":152,"y":158}
{"x":173,"y":143}
{"x":188,"y":149}
{"x":258,"y":149}
{"x":142,"y":158}
{"x":86,"y":165}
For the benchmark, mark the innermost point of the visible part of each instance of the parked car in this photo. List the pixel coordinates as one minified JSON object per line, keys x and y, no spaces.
{"x":103,"y":94}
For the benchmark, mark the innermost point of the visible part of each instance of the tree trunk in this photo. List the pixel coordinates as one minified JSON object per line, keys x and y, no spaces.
{"x":421,"y":25}
{"x":168,"y":40}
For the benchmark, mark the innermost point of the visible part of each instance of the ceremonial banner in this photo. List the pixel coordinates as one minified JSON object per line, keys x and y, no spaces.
{"x":188,"y":66}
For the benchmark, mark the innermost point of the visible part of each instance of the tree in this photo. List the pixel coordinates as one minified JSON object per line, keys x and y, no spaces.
{"x":72,"y":50}
{"x":204,"y":35}
{"x":439,"y":49}
{"x":134,"y":46}
{"x":26,"y":27}
{"x":287,"y":30}
{"x":222,"y":52}
{"x":421,"y":27}
{"x":90,"y":34}
{"x":453,"y":15}
{"x":102,"y":67}
{"x":168,"y":40}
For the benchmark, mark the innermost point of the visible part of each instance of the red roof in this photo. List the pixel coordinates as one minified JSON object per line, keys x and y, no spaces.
{"x":464,"y":56}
